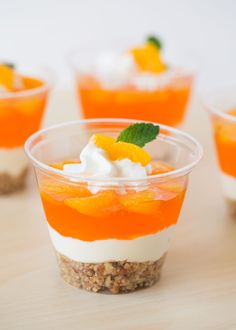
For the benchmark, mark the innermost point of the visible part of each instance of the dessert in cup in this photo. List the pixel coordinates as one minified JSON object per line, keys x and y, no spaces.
{"x":22,"y":103}
{"x":222,"y":108}
{"x":111,"y":201}
{"x":135,"y":83}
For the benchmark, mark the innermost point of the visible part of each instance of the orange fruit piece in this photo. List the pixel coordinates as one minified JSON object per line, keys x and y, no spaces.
{"x":60,"y":191}
{"x":59,"y":166}
{"x":103,"y":141}
{"x":142,"y":202}
{"x":120,"y":150}
{"x":174,"y":185}
{"x":148,"y":58}
{"x":100,"y":205}
{"x":159,"y":167}
{"x":7,"y":77}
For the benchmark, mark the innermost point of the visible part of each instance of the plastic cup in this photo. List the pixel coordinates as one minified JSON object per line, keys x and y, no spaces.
{"x":110,"y":234}
{"x":221,"y":105}
{"x":161,"y":98}
{"x":20,"y":116}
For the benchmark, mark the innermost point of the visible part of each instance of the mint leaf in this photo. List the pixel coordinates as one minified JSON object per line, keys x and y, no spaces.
{"x":10,"y":65}
{"x":139,"y":134}
{"x":155,"y":41}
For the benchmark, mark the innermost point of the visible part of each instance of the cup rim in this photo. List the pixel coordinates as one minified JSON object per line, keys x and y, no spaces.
{"x":174,"y":173}
{"x":179,"y":73}
{"x":214,"y":109}
{"x":47,"y":83}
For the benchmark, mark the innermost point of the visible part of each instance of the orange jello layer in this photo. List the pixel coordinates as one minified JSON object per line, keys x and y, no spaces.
{"x":20,"y":116}
{"x":74,"y":212}
{"x":166,"y":106}
{"x":225,"y":137}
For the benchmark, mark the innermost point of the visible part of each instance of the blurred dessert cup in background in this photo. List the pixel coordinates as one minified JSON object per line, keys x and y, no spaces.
{"x":221,"y":105}
{"x":23,"y":100}
{"x":134,"y":83}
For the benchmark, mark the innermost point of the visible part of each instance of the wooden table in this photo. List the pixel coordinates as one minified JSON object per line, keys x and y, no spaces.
{"x":198,"y":286}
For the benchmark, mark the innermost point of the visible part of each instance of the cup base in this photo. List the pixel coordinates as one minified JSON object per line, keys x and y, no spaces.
{"x":10,"y":183}
{"x":110,"y":277}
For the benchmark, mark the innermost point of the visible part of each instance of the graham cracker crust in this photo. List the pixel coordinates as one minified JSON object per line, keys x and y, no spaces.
{"x":110,"y":277}
{"x":10,"y":183}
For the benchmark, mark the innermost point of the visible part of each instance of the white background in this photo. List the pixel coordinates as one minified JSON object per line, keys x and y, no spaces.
{"x":201,"y":31}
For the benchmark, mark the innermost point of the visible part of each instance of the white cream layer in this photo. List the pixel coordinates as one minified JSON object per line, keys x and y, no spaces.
{"x":229,"y":185}
{"x":12,"y":160}
{"x":145,"y":248}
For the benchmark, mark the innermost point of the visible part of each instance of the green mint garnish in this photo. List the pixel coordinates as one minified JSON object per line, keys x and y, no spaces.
{"x":155,"y":41}
{"x":139,"y":134}
{"x":10,"y":65}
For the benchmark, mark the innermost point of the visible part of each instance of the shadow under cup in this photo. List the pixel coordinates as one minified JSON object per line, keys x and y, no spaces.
{"x":110,"y":234}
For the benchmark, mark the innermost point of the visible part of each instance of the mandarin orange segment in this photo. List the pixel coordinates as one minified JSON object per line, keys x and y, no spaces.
{"x":103,"y":141}
{"x":59,"y":166}
{"x":142,"y":202}
{"x":60,"y":191}
{"x":148,"y":58}
{"x":120,"y":150}
{"x":100,"y":205}
{"x":175,"y":186}
{"x":159,"y":167}
{"x":7,"y":77}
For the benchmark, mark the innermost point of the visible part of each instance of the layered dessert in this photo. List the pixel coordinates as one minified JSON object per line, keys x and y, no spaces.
{"x":22,"y":102}
{"x":225,"y":138}
{"x":109,"y":222}
{"x":136,"y":83}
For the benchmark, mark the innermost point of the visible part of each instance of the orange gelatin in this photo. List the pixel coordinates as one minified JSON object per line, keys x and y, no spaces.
{"x":166,"y":106}
{"x":21,"y":114}
{"x":225,"y":138}
{"x":73,"y":211}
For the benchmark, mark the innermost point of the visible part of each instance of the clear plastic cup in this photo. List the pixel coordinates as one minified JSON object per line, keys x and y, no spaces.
{"x":110,"y":234}
{"x":21,"y":114}
{"x":221,"y":105}
{"x":162,"y":97}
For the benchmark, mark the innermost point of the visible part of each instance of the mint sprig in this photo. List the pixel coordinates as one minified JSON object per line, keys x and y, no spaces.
{"x":155,"y":41}
{"x":10,"y":65}
{"x":139,"y":134}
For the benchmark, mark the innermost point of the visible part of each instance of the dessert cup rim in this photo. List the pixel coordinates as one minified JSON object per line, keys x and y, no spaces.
{"x":47,"y":85}
{"x":211,"y":106}
{"x":174,"y":173}
{"x":212,"y":109}
{"x":180,"y":70}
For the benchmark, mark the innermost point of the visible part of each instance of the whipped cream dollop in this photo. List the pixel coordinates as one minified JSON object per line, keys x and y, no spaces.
{"x":96,"y":164}
{"x":117,"y":70}
{"x":113,"y":70}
